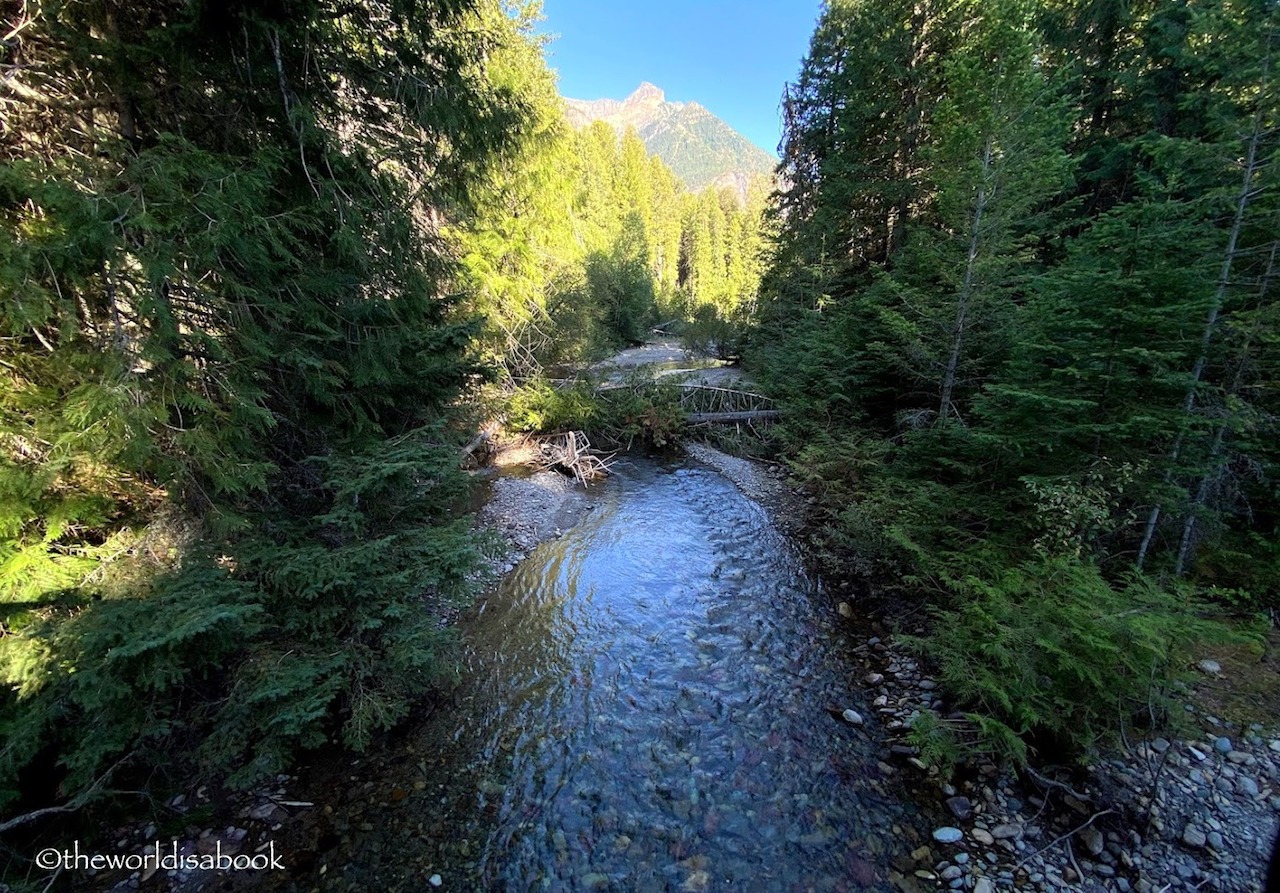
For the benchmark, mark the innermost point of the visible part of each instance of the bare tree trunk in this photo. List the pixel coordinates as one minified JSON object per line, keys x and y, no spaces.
{"x":966,"y":289}
{"x":1215,"y":463}
{"x":1211,"y":320}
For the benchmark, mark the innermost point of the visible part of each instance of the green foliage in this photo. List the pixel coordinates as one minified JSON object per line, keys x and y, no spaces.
{"x":638,"y":410}
{"x":1050,"y":651}
{"x":717,"y":333}
{"x":230,"y":345}
{"x":538,"y":407}
{"x":1021,"y":321}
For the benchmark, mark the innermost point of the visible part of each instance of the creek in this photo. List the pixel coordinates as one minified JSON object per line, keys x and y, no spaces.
{"x":650,"y":702}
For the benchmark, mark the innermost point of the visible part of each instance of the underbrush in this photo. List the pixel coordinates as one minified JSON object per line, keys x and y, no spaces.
{"x":638,"y":410}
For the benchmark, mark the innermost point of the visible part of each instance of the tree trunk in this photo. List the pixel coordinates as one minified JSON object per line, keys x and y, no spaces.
{"x":966,"y":289}
{"x":1211,"y":320}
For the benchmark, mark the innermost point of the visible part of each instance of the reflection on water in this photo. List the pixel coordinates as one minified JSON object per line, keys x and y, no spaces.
{"x":645,"y":706}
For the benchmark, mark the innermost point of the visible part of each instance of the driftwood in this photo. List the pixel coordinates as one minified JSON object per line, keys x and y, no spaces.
{"x":571,"y":453}
{"x":715,"y":418}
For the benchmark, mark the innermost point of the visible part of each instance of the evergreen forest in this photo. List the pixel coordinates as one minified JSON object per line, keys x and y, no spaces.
{"x":267,"y":266}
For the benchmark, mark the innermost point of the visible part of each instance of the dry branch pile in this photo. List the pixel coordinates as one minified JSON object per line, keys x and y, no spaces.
{"x":571,"y":453}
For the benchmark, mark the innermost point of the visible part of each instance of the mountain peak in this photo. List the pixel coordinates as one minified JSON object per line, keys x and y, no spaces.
{"x":646,"y":94}
{"x":700,"y":148}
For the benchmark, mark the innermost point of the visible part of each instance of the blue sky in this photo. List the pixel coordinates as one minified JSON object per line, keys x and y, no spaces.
{"x":732,"y":56}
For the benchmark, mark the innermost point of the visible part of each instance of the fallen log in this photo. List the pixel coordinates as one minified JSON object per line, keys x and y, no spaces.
{"x":715,"y":418}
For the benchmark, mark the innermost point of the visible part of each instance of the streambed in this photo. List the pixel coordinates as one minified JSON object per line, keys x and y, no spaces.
{"x":649,"y":702}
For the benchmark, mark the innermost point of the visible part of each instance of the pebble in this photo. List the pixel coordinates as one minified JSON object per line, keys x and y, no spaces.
{"x":435,"y":880}
{"x":1006,"y":831}
{"x":1160,"y":745}
{"x":982,"y":836}
{"x":1247,"y":786}
{"x":960,"y":807}
{"x":853,"y":717}
{"x":1222,"y":745}
{"x":948,"y":834}
{"x":1238,"y":757}
{"x":983,"y":885}
{"x":1212,"y":667}
{"x":1194,"y":837}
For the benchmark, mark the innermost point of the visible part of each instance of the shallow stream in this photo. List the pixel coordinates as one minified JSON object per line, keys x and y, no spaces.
{"x":649,"y":702}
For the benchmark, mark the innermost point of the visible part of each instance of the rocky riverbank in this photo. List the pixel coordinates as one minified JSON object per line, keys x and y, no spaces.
{"x":1198,"y":812}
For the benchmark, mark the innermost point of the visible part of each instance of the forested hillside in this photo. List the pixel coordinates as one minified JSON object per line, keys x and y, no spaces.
{"x":1023,"y":312}
{"x":258,"y":263}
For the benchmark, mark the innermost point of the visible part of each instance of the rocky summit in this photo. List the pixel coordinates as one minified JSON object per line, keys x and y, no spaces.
{"x":702,"y":149}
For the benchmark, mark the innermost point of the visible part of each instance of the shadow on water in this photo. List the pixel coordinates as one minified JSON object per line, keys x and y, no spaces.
{"x":645,"y":706}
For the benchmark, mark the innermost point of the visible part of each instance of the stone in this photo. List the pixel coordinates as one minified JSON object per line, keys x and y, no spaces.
{"x":922,"y":854}
{"x":435,"y":880}
{"x":1093,"y":841}
{"x":874,"y":678}
{"x":928,"y":684}
{"x":1160,"y":745}
{"x":952,"y":872}
{"x":960,"y":807}
{"x":845,"y":609}
{"x":1212,"y":667}
{"x":947,"y":834}
{"x":1215,"y":840}
{"x":1222,"y":745}
{"x":1006,"y":831}
{"x":1194,"y":837}
{"x":853,"y":717}
{"x":982,"y":836}
{"x":1199,"y":755}
{"x":1247,"y":786}
{"x":1238,"y":757}
{"x":983,"y":885}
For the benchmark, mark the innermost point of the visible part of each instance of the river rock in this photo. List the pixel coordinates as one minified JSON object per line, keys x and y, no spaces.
{"x":1222,"y":745}
{"x":845,"y":609}
{"x":1092,"y":839}
{"x":1212,"y":667}
{"x":948,"y":834}
{"x":874,"y":678}
{"x":852,"y":717}
{"x":1006,"y":831}
{"x":982,"y":836}
{"x":983,"y":885}
{"x":960,"y":807}
{"x":435,"y":880}
{"x":1194,"y":837}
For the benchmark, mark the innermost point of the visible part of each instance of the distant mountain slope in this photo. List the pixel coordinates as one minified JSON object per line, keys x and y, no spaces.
{"x":701,"y":149}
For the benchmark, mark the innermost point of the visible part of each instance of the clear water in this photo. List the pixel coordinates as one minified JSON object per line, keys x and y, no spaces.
{"x":647,"y":705}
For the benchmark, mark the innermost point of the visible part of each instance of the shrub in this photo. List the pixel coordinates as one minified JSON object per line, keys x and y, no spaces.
{"x":1050,"y":651}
